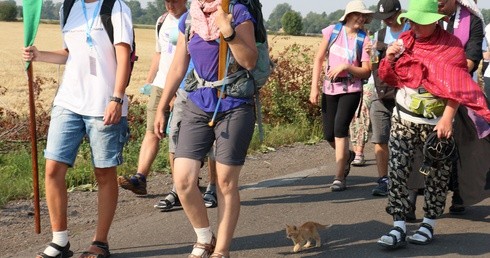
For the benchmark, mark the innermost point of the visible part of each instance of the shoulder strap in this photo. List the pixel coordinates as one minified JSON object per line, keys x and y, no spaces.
{"x":105,"y":16}
{"x":161,"y":19}
{"x":334,"y":35}
{"x":67,"y":5}
{"x":382,"y":35}
{"x":361,"y":35}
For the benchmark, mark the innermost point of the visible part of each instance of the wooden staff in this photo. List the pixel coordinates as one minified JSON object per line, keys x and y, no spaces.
{"x":32,"y":129}
{"x":223,"y":46}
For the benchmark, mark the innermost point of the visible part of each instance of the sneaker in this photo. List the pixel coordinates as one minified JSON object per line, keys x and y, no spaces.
{"x":135,"y":183}
{"x":358,"y":160}
{"x":382,"y":188}
{"x":210,"y":199}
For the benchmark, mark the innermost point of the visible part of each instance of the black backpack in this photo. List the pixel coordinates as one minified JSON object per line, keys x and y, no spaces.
{"x":105,"y":16}
{"x":385,"y":92}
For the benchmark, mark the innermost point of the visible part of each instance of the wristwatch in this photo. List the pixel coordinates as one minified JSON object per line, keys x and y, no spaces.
{"x":116,"y":99}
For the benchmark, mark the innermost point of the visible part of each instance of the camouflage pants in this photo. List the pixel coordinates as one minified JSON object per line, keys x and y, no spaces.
{"x":405,"y":138}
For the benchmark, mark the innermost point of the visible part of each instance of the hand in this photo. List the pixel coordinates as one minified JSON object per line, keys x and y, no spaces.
{"x":314,"y":94}
{"x":395,"y":50}
{"x":444,"y":128}
{"x":30,"y":53}
{"x":333,"y":73}
{"x":159,"y":124}
{"x":223,"y":21}
{"x":113,"y":113}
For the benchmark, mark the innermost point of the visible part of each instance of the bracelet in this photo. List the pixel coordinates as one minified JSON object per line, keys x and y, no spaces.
{"x":116,"y":99}
{"x":231,"y":37}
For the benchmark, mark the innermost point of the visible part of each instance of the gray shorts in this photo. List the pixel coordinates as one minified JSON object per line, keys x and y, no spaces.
{"x":177,"y":114}
{"x":232,"y":132}
{"x":380,"y":122}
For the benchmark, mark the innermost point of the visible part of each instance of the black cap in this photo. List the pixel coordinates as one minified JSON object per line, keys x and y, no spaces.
{"x":386,"y":9}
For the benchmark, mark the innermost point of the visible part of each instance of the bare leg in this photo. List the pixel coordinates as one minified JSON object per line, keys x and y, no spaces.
{"x":106,"y":201}
{"x":148,"y":152}
{"x":56,"y":195}
{"x":341,"y":156}
{"x":382,"y":155}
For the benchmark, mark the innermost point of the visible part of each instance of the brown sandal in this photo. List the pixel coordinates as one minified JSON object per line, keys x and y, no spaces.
{"x":208,"y":249}
{"x":218,"y":255}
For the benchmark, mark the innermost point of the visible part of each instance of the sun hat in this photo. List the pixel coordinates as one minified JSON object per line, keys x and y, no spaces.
{"x":422,"y":12}
{"x":386,"y":9}
{"x":355,"y":6}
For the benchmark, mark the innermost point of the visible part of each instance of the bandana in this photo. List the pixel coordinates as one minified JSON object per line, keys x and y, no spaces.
{"x":439,"y":64}
{"x":203,"y":19}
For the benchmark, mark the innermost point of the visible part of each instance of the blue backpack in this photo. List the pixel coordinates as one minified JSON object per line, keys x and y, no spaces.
{"x":361,"y":35}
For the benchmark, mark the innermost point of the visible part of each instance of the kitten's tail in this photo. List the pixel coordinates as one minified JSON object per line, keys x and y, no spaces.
{"x":320,"y":226}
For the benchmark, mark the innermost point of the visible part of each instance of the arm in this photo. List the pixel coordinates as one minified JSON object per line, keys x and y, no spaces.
{"x":176,"y":73}
{"x":153,"y":67}
{"x":474,"y":45}
{"x":113,"y":110}
{"x":317,"y":71}
{"x":31,"y":53}
{"x":444,"y":127}
{"x":243,"y":45}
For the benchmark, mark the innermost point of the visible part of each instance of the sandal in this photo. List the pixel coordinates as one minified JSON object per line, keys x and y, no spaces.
{"x":166,"y":205}
{"x":352,"y":156}
{"x":218,"y":255}
{"x":104,"y":247}
{"x":358,"y":160}
{"x":208,"y":249}
{"x":428,"y":238}
{"x":210,"y":199}
{"x":64,"y":251}
{"x":338,"y":185}
{"x":396,"y":242}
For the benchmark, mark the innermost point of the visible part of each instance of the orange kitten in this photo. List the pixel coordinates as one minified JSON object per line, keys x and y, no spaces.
{"x":303,"y":235}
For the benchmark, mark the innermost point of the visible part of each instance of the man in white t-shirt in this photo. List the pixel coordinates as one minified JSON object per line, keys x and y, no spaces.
{"x":90,"y":102}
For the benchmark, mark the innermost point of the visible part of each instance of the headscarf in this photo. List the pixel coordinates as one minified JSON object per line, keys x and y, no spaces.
{"x":203,"y":19}
{"x":438,"y":63}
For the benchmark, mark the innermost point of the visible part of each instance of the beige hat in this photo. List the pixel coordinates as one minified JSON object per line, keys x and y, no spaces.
{"x":355,"y":6}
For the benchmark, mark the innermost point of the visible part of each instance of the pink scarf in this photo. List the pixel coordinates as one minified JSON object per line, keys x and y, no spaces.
{"x":439,"y":64}
{"x":203,"y":19}
{"x":462,"y":28}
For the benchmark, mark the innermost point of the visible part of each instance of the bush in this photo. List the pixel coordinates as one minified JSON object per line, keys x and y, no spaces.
{"x":8,"y":11}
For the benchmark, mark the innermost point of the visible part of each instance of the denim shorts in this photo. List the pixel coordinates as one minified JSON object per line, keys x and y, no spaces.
{"x":67,"y":130}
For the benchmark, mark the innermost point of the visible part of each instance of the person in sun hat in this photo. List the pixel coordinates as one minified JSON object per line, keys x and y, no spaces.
{"x":425,"y":61}
{"x":465,"y":20}
{"x":341,"y":92}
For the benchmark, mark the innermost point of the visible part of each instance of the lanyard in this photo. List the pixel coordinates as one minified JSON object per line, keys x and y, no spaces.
{"x":89,"y":28}
{"x":350,"y":55}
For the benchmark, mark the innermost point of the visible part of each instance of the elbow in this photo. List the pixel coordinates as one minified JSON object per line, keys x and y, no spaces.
{"x":250,"y":62}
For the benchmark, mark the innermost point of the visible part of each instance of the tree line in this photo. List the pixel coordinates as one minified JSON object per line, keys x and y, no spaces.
{"x":282,"y":18}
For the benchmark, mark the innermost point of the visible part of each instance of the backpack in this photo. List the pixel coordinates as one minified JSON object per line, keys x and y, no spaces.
{"x":385,"y":92}
{"x":105,"y":16}
{"x":160,"y":21}
{"x":361,"y":35}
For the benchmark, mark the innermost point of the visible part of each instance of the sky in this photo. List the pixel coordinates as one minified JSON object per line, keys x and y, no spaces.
{"x":317,"y":6}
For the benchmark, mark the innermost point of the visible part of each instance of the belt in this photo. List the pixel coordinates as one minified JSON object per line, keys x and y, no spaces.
{"x":340,"y":79}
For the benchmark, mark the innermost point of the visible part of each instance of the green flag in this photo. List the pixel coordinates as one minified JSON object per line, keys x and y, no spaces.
{"x":32,"y":14}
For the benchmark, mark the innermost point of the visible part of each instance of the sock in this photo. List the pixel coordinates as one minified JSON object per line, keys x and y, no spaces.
{"x":60,"y":238}
{"x":431,"y":222}
{"x":171,"y":197}
{"x":211,"y":187}
{"x":143,"y":177}
{"x":398,"y":223}
{"x":204,"y":236}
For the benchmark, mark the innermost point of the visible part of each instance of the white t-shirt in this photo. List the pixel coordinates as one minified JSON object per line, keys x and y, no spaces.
{"x":165,"y":45}
{"x":83,"y":91}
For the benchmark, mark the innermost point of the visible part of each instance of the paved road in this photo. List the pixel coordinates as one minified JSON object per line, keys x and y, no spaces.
{"x":358,"y":220}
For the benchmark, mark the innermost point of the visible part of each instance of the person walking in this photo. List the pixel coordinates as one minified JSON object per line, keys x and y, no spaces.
{"x":342,"y":87}
{"x":90,"y":102}
{"x":447,"y":85}
{"x":211,"y":118}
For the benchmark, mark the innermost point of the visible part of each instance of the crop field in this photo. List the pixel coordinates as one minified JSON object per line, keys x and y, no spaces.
{"x":13,"y":79}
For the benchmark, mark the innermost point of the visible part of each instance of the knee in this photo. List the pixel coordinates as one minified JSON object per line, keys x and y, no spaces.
{"x":227,"y":187}
{"x":105,"y":175}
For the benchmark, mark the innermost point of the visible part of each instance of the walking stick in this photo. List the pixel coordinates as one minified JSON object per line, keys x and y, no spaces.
{"x":32,"y":129}
{"x":222,"y":56}
{"x":31,"y":10}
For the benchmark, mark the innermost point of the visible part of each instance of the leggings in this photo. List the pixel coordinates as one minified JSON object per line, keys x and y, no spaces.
{"x":337,"y":113}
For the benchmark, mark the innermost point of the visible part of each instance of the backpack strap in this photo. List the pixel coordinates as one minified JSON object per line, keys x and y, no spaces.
{"x":334,"y":35}
{"x":361,"y":35}
{"x":105,"y":16}
{"x":160,"y":21}
{"x":66,"y":8}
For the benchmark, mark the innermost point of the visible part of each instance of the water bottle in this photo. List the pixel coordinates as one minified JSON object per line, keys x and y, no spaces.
{"x":374,"y":51}
{"x":146,"y":89}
